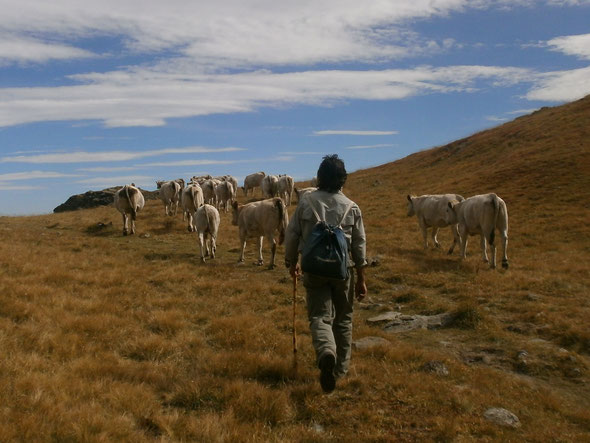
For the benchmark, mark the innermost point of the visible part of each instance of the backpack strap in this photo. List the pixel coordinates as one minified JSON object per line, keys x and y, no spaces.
{"x":348,"y":208}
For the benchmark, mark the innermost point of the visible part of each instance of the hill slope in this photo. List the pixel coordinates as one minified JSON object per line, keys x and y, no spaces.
{"x":105,"y":337}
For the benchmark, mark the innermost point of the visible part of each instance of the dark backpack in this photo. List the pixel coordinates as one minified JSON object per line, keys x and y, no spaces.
{"x":325,"y":252}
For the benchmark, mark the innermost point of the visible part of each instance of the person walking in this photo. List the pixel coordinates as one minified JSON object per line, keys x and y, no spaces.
{"x":329,"y":300}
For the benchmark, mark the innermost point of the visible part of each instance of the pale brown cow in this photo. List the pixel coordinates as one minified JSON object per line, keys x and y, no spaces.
{"x":261,"y":219}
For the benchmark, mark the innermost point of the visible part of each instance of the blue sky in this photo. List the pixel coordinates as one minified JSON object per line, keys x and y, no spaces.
{"x":98,"y":94}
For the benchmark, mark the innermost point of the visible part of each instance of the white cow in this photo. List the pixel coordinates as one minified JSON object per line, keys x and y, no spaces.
{"x":483,"y":215}
{"x":224,"y":194}
{"x":207,"y":224}
{"x":431,"y":213}
{"x":208,"y":187}
{"x":190,"y":200}
{"x":300,"y":193}
{"x":170,"y":195}
{"x":129,"y":200}
{"x":286,"y":188}
{"x":253,"y":181}
{"x":261,"y":219}
{"x":270,"y":186}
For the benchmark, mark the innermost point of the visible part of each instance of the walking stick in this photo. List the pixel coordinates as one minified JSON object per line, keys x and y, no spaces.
{"x":294,"y":330}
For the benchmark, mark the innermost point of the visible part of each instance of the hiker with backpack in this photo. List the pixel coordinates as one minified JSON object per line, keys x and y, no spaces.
{"x":327,"y":230}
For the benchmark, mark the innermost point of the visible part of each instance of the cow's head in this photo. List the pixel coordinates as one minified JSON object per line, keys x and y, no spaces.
{"x":411,"y":211}
{"x":159,"y":184}
{"x":235,"y":212}
{"x":451,"y":212}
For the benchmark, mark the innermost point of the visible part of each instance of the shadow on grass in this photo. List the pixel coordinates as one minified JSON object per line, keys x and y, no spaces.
{"x":101,"y":229}
{"x":434,"y":260}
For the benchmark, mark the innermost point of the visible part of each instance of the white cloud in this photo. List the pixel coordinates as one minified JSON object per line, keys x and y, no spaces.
{"x":493,"y":118}
{"x":119,"y":98}
{"x":5,"y":187}
{"x":105,"y":182}
{"x":354,"y":132}
{"x":109,"y":156}
{"x":370,"y":146}
{"x":28,"y":50}
{"x":33,"y":175}
{"x":522,"y":111}
{"x":576,"y":45}
{"x":561,"y":86}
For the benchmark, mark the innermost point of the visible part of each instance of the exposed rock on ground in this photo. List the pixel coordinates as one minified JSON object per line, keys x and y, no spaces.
{"x":502,"y":417}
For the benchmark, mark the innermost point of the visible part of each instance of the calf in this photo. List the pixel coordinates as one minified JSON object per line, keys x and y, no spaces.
{"x":253,"y":181}
{"x":190,"y":200}
{"x":261,"y":219}
{"x":170,"y":195}
{"x":129,"y":200}
{"x":431,"y":212}
{"x":207,"y":224}
{"x":483,"y":215}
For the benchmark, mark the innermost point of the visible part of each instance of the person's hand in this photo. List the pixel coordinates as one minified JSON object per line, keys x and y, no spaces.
{"x":360,"y":289}
{"x":295,"y":271}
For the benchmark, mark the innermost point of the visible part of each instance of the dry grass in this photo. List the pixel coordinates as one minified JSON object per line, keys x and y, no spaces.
{"x":112,"y":338}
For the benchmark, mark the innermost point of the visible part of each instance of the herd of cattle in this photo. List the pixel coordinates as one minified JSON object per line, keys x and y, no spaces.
{"x":203,"y":197}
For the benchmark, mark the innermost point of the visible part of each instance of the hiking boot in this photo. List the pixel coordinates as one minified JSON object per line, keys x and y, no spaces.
{"x":327,"y":378}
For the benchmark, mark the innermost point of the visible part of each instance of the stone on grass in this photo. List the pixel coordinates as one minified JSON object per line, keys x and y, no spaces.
{"x":502,"y":417}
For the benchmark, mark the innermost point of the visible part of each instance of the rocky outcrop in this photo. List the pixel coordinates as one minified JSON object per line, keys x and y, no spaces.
{"x":93,"y":199}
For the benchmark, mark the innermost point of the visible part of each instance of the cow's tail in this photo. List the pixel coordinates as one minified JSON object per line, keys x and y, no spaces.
{"x":282,"y":219}
{"x":128,"y":192}
{"x":496,"y":205}
{"x":210,"y":222}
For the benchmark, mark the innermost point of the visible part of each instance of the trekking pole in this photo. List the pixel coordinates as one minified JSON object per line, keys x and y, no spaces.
{"x":294,"y":330}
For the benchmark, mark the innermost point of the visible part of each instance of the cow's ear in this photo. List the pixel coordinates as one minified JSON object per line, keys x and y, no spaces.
{"x":235,"y":205}
{"x":450,"y":205}
{"x":409,"y":197}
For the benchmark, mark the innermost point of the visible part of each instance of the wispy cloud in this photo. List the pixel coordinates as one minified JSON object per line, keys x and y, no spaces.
{"x":354,"y":132}
{"x":7,"y":187}
{"x":576,"y":45}
{"x":494,"y":118}
{"x":33,"y":175}
{"x":522,"y":111}
{"x":139,"y":180}
{"x":370,"y":146}
{"x":109,"y":156}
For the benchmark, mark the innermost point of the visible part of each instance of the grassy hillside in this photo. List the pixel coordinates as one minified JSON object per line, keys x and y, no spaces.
{"x":112,"y":338}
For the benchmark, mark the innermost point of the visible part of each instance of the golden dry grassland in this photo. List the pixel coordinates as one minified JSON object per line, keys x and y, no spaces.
{"x":112,"y":338}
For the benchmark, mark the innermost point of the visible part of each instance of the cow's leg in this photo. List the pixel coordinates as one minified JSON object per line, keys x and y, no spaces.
{"x":201,"y":245}
{"x":424,"y":233}
{"x":456,"y":237}
{"x":189,"y":217}
{"x":484,"y":248}
{"x":273,"y":251}
{"x":260,"y":260}
{"x":434,"y":234}
{"x":213,"y":246}
{"x":124,"y":223}
{"x":464,"y":238}
{"x":132,"y":225}
{"x":243,"y":241}
{"x":504,"y":236}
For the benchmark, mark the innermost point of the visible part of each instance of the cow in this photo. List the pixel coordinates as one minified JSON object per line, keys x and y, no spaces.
{"x":208,"y":187}
{"x":170,"y":195}
{"x":253,"y":181}
{"x":129,"y":200}
{"x":224,"y":194}
{"x":270,"y":186}
{"x":483,"y":215}
{"x":191,"y":199}
{"x":300,"y":193}
{"x":207,"y":224}
{"x":261,"y":219}
{"x":286,"y":188}
{"x":430,"y":211}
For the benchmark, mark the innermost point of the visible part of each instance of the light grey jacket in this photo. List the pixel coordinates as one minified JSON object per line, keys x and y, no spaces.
{"x":330,"y":207}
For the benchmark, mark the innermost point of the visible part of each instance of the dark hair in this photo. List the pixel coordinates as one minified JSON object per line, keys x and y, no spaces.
{"x":331,"y":174}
